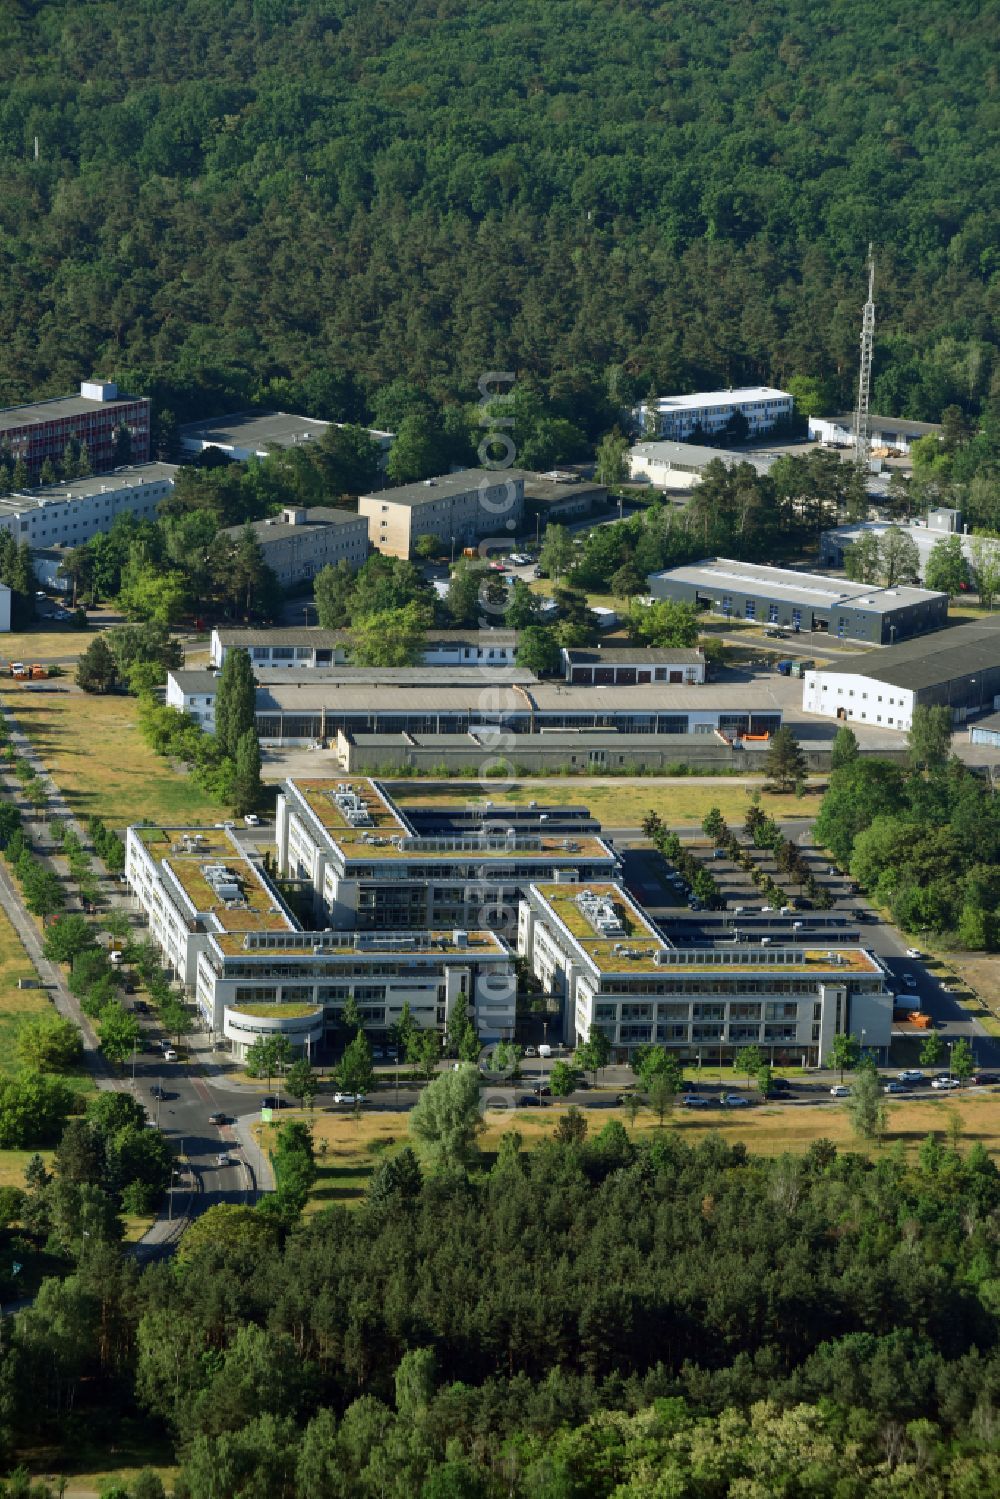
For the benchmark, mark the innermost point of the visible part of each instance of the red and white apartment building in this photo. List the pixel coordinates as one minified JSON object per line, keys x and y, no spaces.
{"x":42,"y":429}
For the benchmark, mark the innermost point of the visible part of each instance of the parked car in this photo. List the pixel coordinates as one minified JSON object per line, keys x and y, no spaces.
{"x":984,"y":1079}
{"x":911,"y":1075}
{"x":840,"y":1090}
{"x":218,"y":1119}
{"x":914,"y":952}
{"x":157,"y":1092}
{"x":531,"y":1051}
{"x":735,"y":1100}
{"x":349,"y":1097}
{"x":780,"y":1085}
{"x":909,"y":980}
{"x":696,"y":1101}
{"x":251,"y":820}
{"x":169,"y":1055}
{"x":945,"y":1084}
{"x":531,"y":1101}
{"x":895,"y":1086}
{"x":270,"y":1101}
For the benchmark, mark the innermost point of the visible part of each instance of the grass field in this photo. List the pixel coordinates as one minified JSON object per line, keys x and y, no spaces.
{"x":621,"y":803}
{"x":349,"y":1146}
{"x":45,"y":645}
{"x":99,"y":760}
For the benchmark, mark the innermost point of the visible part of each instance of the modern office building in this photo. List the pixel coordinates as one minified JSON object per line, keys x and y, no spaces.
{"x":680,"y":465}
{"x":958,"y":668}
{"x":40,"y":430}
{"x":890,"y":435}
{"x":314,"y":647}
{"x":253,"y":434}
{"x":459,"y":509}
{"x":711,"y":411}
{"x":369,"y":867}
{"x":597,"y":952}
{"x":253,"y":971}
{"x":300,"y":542}
{"x":803,"y":601}
{"x":68,"y":514}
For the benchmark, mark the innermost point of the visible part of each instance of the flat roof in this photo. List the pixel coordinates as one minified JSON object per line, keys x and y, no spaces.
{"x":567,"y":739}
{"x":260,"y":430}
{"x":278,"y":695}
{"x":185,"y":853}
{"x":315,"y":678}
{"x":478,"y":943}
{"x":380,"y":838}
{"x":55,"y":408}
{"x":742,"y":395}
{"x":320,"y":639}
{"x":694,"y":456}
{"x":274,"y":528}
{"x":894,"y":424}
{"x":132,"y":477}
{"x":545,"y":490}
{"x":650,"y":655}
{"x":947,"y":655}
{"x":641,"y":949}
{"x":813,"y":589}
{"x":444,"y":486}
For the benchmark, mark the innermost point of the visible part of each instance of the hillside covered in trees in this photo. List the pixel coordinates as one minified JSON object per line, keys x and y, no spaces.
{"x":296,"y":201}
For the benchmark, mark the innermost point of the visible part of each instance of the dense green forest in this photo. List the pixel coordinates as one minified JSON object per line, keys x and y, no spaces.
{"x":298,"y":200}
{"x":595,"y":1318}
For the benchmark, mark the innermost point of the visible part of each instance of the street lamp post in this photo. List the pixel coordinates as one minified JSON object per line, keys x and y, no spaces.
{"x":950,"y":1045}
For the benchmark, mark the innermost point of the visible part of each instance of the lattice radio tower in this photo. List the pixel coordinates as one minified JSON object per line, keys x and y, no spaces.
{"x":862,"y":425}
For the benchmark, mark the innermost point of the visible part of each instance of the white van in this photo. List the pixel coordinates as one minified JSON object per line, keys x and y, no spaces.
{"x":545,"y":1051}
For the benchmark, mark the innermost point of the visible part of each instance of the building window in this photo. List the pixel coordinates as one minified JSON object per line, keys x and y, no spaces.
{"x":750,"y":609}
{"x":772,"y":614}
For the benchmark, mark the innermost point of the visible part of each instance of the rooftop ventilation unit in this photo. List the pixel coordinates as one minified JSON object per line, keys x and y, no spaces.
{"x":601,"y":913}
{"x":352,"y":808}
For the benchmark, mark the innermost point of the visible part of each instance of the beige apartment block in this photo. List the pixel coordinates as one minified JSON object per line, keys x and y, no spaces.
{"x":459,"y":509}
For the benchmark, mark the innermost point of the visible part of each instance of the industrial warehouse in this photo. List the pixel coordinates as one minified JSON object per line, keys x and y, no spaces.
{"x":315,"y":706}
{"x":801,"y":601}
{"x":958,"y":668}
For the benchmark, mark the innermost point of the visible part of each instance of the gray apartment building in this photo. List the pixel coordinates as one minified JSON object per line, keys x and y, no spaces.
{"x":299,"y":543}
{"x":459,"y":509}
{"x":797,"y":601}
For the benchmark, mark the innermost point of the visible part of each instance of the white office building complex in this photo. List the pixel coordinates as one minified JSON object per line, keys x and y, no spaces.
{"x":68,"y":514}
{"x":369,"y":867}
{"x":225,"y":931}
{"x":675,"y":418}
{"x":598,"y":952}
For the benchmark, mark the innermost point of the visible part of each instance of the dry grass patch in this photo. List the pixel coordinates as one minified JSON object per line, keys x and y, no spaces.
{"x":96,"y":754}
{"x":349,"y":1145}
{"x":618,"y":803}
